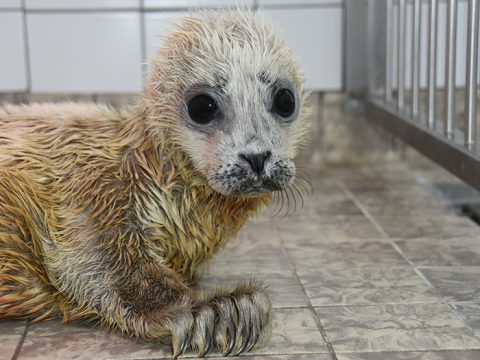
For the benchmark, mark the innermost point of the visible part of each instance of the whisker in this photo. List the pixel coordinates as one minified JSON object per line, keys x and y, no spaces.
{"x":305,"y":180}
{"x":287,"y":209}
{"x":277,"y":196}
{"x":305,"y":188}
{"x":279,"y":200}
{"x":299,"y":194}
{"x":294,"y":200}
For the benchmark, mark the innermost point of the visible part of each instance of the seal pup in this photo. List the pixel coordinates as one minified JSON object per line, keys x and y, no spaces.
{"x":110,"y":213}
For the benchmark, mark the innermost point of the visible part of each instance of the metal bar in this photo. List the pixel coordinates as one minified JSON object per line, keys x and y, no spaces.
{"x":355,"y":59}
{"x":450,"y":56}
{"x":452,"y":157}
{"x":471,"y":81}
{"x":401,"y":56}
{"x":416,"y":59}
{"x":432,"y":63}
{"x":388,"y":51}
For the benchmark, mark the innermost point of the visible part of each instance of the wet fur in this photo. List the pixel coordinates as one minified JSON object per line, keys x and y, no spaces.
{"x":105,"y":214}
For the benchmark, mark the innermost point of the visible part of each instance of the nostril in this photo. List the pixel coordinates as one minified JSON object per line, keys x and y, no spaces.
{"x":256,"y":161}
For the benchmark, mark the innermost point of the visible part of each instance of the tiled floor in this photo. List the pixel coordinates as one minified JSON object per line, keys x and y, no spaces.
{"x":376,"y":266}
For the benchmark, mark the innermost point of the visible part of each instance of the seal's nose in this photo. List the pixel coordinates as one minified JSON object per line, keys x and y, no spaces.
{"x":256,"y":161}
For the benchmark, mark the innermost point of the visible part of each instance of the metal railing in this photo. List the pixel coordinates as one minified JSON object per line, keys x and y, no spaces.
{"x":422,"y":75}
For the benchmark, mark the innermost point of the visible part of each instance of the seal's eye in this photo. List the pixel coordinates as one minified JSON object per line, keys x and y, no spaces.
{"x":284,"y":103}
{"x":202,"y":109}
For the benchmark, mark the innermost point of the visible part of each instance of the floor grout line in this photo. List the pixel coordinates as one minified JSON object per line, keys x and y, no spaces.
{"x":20,"y":342}
{"x":323,"y":332}
{"x":379,"y":228}
{"x":401,"y":253}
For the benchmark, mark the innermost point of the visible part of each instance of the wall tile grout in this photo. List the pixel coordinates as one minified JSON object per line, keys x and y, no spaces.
{"x":28,"y":68}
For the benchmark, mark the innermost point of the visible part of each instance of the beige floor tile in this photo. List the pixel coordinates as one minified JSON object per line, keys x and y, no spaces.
{"x":294,"y":332}
{"x":397,"y":194}
{"x":309,"y":256}
{"x":377,"y":184}
{"x":328,"y":204}
{"x":52,"y":340}
{"x":406,"y":201}
{"x":414,"y":355}
{"x":320,"y":356}
{"x":10,"y":335}
{"x":284,"y":289}
{"x":439,"y":226}
{"x":455,"y":284}
{"x":470,"y":313}
{"x":257,"y":249}
{"x":250,"y":257}
{"x":246,"y":263}
{"x":256,"y":231}
{"x":323,"y":229}
{"x":363,"y":286}
{"x":395,"y":328}
{"x":321,"y":181}
{"x":448,"y":252}
{"x":388,"y":172}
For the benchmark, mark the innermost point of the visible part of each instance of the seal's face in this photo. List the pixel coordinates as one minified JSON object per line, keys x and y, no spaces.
{"x":240,"y":103}
{"x":240,"y":132}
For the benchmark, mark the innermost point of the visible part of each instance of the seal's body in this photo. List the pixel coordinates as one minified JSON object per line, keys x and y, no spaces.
{"x":109,"y":213}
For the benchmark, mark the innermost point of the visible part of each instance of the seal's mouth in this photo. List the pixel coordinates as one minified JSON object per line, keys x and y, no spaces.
{"x":240,"y":180}
{"x":256,"y":187}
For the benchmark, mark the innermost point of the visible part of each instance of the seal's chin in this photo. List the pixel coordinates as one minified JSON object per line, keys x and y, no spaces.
{"x":238,"y":180}
{"x":254,"y":191}
{"x":251,"y":188}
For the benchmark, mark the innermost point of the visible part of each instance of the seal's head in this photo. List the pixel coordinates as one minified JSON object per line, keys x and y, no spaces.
{"x":229,"y":90}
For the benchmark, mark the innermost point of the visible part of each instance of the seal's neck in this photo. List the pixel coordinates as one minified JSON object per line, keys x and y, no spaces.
{"x":203,"y":218}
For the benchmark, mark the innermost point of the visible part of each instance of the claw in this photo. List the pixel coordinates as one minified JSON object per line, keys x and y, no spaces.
{"x":177,"y":347}
{"x":252,"y":340}
{"x":244,"y":344}
{"x":232,"y":340}
{"x":208,"y":346}
{"x":183,"y":348}
{"x":251,"y":346}
{"x":176,"y":352}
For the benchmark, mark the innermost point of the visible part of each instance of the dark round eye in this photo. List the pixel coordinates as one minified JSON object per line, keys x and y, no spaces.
{"x":202,"y":109}
{"x":284,"y":103}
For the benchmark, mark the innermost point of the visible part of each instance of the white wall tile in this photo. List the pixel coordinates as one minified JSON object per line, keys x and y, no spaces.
{"x":299,"y":2}
{"x":10,"y":4}
{"x":88,"y":52}
{"x":169,"y":4}
{"x":12,"y":58}
{"x":80,"y":4}
{"x":316,"y":36}
{"x":158,"y":25}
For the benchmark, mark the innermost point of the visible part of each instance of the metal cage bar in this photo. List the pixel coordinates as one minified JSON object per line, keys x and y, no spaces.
{"x":454,"y":146}
{"x":388,"y":52}
{"x":450,"y":67}
{"x":471,"y":81}
{"x":401,"y":56}
{"x":432,"y":62}
{"x":416,"y":15}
